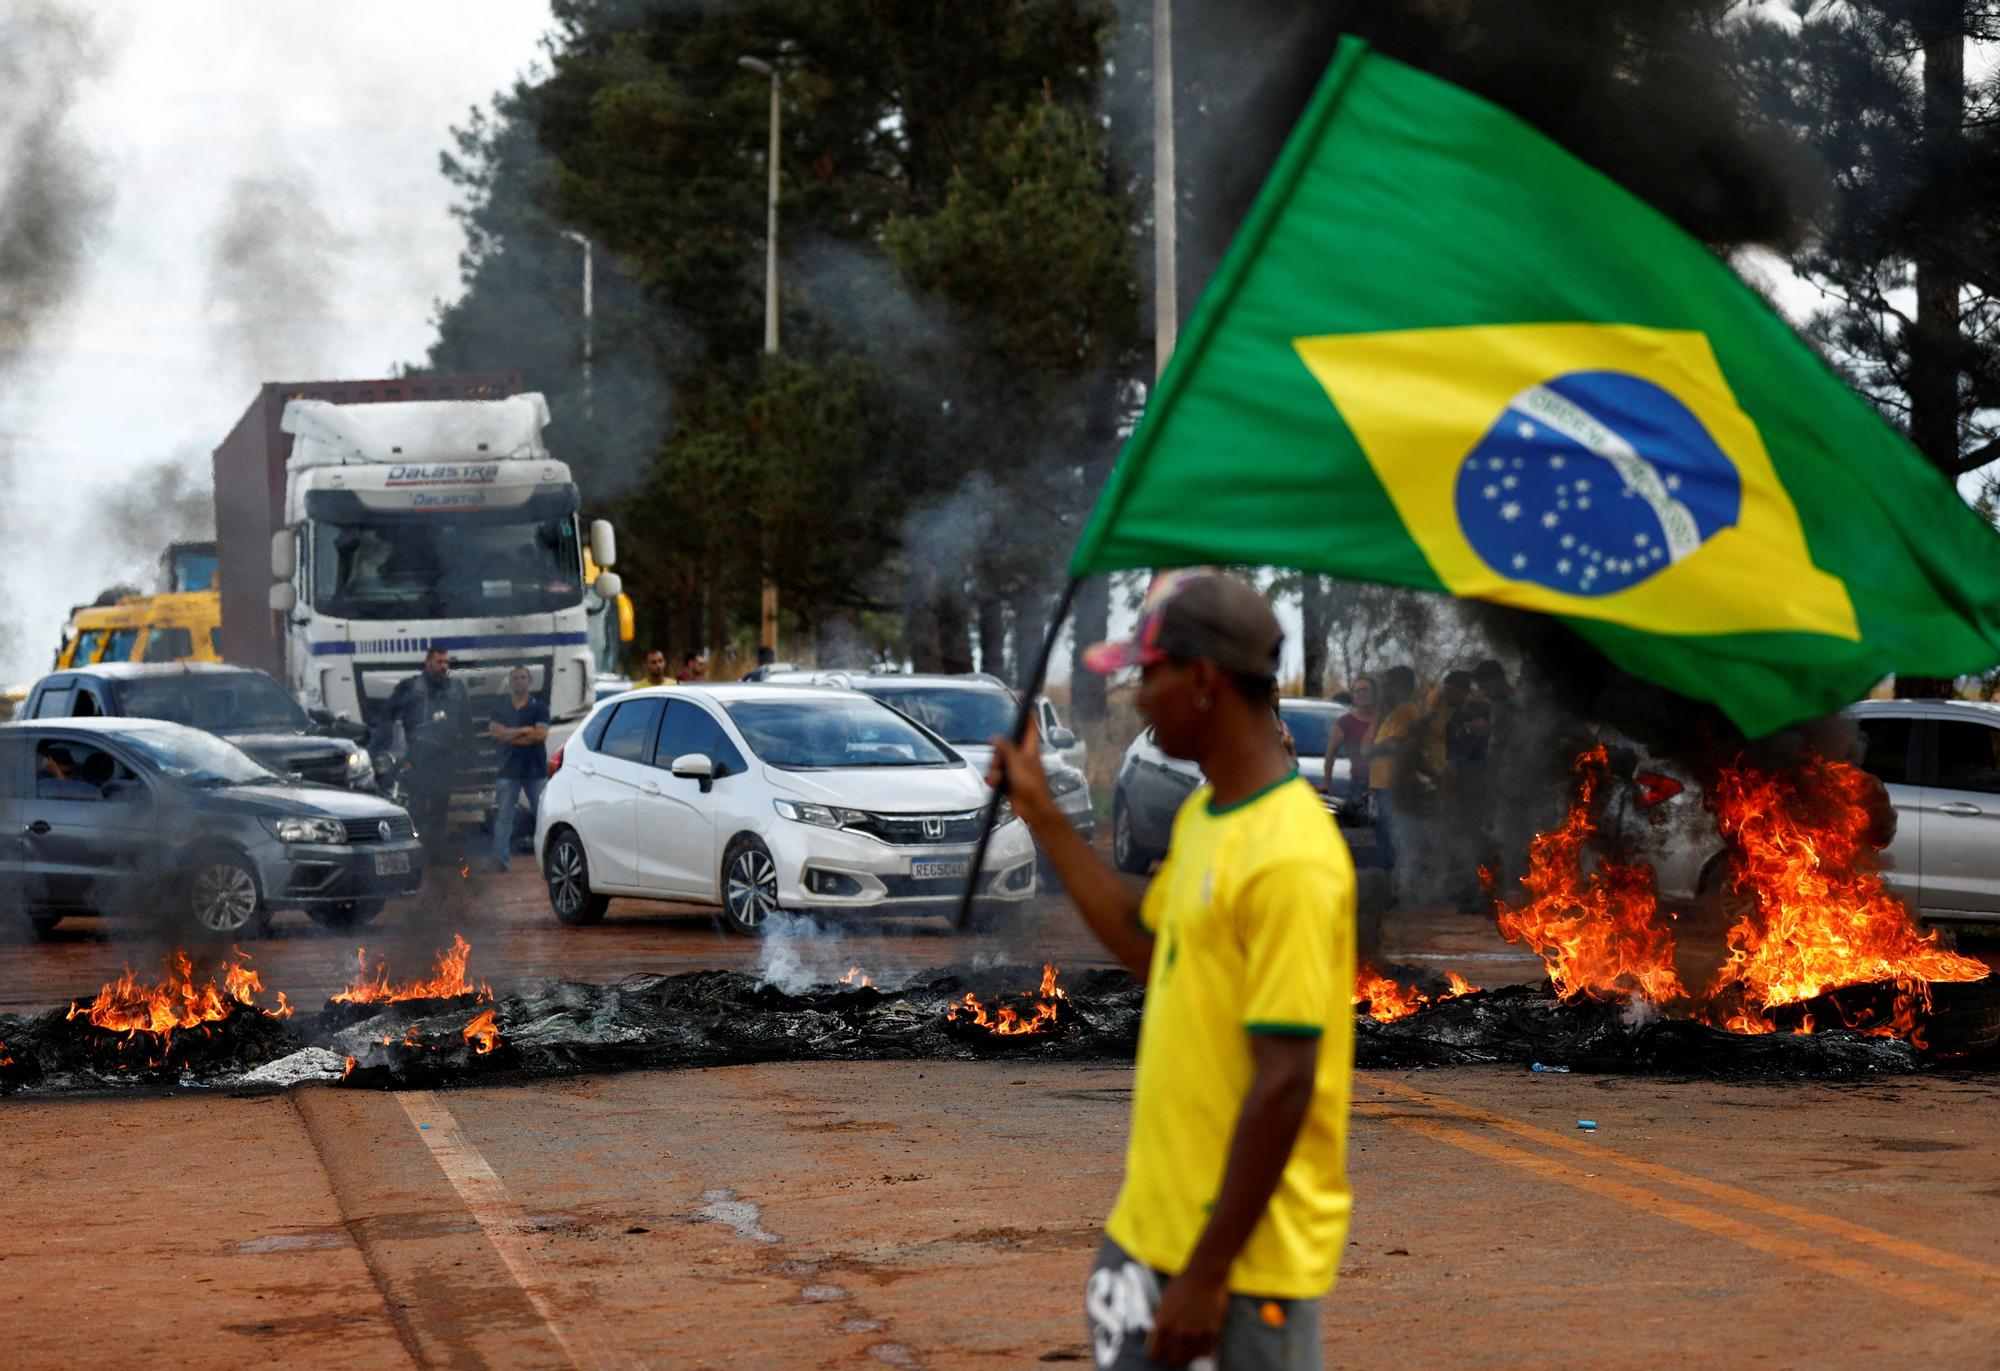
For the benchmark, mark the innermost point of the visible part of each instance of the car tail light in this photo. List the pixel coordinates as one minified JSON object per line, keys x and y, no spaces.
{"x":1655,"y":788}
{"x":555,"y":761}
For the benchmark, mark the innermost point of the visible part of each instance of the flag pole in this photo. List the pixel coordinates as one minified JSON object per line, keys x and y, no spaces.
{"x":1022,"y":716}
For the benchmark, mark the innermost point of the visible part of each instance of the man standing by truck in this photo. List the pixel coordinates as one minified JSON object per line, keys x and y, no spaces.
{"x":521,"y":726}
{"x":436,"y":719}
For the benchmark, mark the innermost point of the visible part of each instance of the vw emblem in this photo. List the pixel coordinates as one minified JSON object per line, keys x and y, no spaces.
{"x":383,"y":829}
{"x":933,"y":827}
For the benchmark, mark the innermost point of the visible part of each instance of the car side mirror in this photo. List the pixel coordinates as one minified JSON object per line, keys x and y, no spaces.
{"x":695,"y":766}
{"x":125,"y":792}
{"x":1061,"y":739}
{"x":322,"y":717}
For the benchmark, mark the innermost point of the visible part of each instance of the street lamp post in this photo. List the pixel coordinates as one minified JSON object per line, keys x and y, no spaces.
{"x":769,"y":69}
{"x":767,"y":629}
{"x":589,"y":399}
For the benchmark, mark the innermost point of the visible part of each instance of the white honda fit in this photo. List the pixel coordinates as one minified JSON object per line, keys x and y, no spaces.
{"x":755,"y":798}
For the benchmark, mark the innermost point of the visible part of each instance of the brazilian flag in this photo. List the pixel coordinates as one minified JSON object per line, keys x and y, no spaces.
{"x":1443,"y":353}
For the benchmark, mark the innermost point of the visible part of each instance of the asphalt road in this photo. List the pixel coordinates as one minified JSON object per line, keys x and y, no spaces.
{"x":943,"y":1214}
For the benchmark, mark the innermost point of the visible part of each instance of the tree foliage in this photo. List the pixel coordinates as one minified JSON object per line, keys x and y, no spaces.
{"x":1905,"y":251}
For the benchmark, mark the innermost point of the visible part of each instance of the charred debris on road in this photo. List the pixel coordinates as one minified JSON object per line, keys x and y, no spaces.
{"x":217,"y":1030}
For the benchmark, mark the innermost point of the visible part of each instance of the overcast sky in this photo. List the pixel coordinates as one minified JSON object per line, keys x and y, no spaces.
{"x":209,"y":122}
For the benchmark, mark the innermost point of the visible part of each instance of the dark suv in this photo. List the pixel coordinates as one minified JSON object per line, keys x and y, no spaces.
{"x":139,"y":817}
{"x":247,"y":707}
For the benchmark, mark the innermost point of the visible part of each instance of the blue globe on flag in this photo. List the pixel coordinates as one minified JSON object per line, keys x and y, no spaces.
{"x":1593,"y":482}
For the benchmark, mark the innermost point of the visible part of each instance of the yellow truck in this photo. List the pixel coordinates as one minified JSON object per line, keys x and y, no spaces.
{"x":180,"y":627}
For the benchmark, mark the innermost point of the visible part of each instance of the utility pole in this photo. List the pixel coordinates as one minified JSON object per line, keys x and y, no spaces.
{"x":589,"y":309}
{"x":767,"y":632}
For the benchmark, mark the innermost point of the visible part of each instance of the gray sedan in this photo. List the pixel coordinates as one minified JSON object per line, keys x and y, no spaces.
{"x":140,"y":817}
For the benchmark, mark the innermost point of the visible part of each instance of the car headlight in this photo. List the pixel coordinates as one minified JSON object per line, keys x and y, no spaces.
{"x":1004,"y":815}
{"x":1065,"y":782}
{"x":820,"y":816}
{"x":360,"y":766}
{"x":308,"y":830}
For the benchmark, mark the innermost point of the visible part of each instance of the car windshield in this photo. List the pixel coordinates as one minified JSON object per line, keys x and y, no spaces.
{"x":1309,"y":728}
{"x":833,"y":734}
{"x":447,"y":566}
{"x":226,"y":702}
{"x":957,"y":716}
{"x":199,"y":759}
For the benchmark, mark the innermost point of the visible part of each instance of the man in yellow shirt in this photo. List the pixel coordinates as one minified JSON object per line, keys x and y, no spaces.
{"x":1230,"y":1223}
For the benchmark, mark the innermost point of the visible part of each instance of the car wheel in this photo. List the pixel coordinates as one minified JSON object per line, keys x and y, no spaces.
{"x":566,"y":868}
{"x":749,"y":886}
{"x":1125,"y":850}
{"x":349,"y":914}
{"x":221,"y":898}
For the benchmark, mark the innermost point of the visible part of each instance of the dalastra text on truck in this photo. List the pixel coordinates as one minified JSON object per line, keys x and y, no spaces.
{"x":361,"y":523}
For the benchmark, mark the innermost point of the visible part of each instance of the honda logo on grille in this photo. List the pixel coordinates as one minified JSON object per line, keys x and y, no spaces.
{"x":383,"y":829}
{"x":933,"y":827}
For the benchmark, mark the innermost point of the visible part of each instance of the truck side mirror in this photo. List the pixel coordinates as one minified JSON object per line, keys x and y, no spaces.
{"x":603,"y":545}
{"x":1061,"y":739}
{"x":609,"y":586}
{"x":283,"y":597}
{"x":284,"y":555}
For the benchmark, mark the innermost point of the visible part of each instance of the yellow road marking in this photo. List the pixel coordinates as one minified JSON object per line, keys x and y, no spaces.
{"x":502,"y":1220}
{"x":1905,"y":1248}
{"x":1693,"y":1216}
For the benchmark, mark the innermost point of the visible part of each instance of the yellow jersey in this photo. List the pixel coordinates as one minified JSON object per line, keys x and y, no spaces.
{"x":1252,"y":915}
{"x":1384,"y":771}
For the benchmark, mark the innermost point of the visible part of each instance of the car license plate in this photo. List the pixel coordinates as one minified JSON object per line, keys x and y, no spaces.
{"x":392,"y":864}
{"x":938,"y":868}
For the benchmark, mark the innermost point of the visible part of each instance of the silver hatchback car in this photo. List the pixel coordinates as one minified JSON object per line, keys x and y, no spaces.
{"x":1939,"y":760}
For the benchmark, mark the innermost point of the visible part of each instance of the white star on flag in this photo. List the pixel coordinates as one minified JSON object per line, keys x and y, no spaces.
{"x":1511,"y":510}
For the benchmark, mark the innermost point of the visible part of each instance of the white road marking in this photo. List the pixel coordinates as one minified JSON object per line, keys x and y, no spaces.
{"x":502,"y":1220}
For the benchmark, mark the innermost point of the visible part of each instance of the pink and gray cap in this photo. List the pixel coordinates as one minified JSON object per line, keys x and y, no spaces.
{"x":1197,"y":613}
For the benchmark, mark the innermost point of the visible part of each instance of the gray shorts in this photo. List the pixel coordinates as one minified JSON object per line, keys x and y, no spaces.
{"x":1257,"y":1334}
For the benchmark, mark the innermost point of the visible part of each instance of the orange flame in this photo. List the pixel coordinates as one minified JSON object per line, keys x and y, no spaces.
{"x":1388,"y":1001}
{"x":1040,"y":1012}
{"x":349,"y":1069}
{"x":483,"y":1033}
{"x":1818,"y":916}
{"x":1804,"y":860}
{"x":1600,"y":932}
{"x":6,"y":1057}
{"x":175,"y":1002}
{"x":371,"y":984}
{"x":857,"y":978}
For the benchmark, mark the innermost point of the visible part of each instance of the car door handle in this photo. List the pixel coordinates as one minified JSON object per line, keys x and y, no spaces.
{"x":1959,"y":807}
{"x":38,"y":827}
{"x":650,"y":788}
{"x":586,"y":768}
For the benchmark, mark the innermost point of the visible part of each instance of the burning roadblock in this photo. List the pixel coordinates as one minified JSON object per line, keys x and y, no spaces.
{"x":1797,"y":961}
{"x":213,"y":1027}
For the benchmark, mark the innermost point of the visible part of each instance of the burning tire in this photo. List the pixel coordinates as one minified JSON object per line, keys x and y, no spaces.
{"x":749,"y":886}
{"x":345,"y":916}
{"x":567,"y":870}
{"x":220,"y":896}
{"x":1125,"y":850}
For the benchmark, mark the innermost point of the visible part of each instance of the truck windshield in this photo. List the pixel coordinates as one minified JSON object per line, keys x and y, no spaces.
{"x":446,"y":566}
{"x":225,"y":702}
